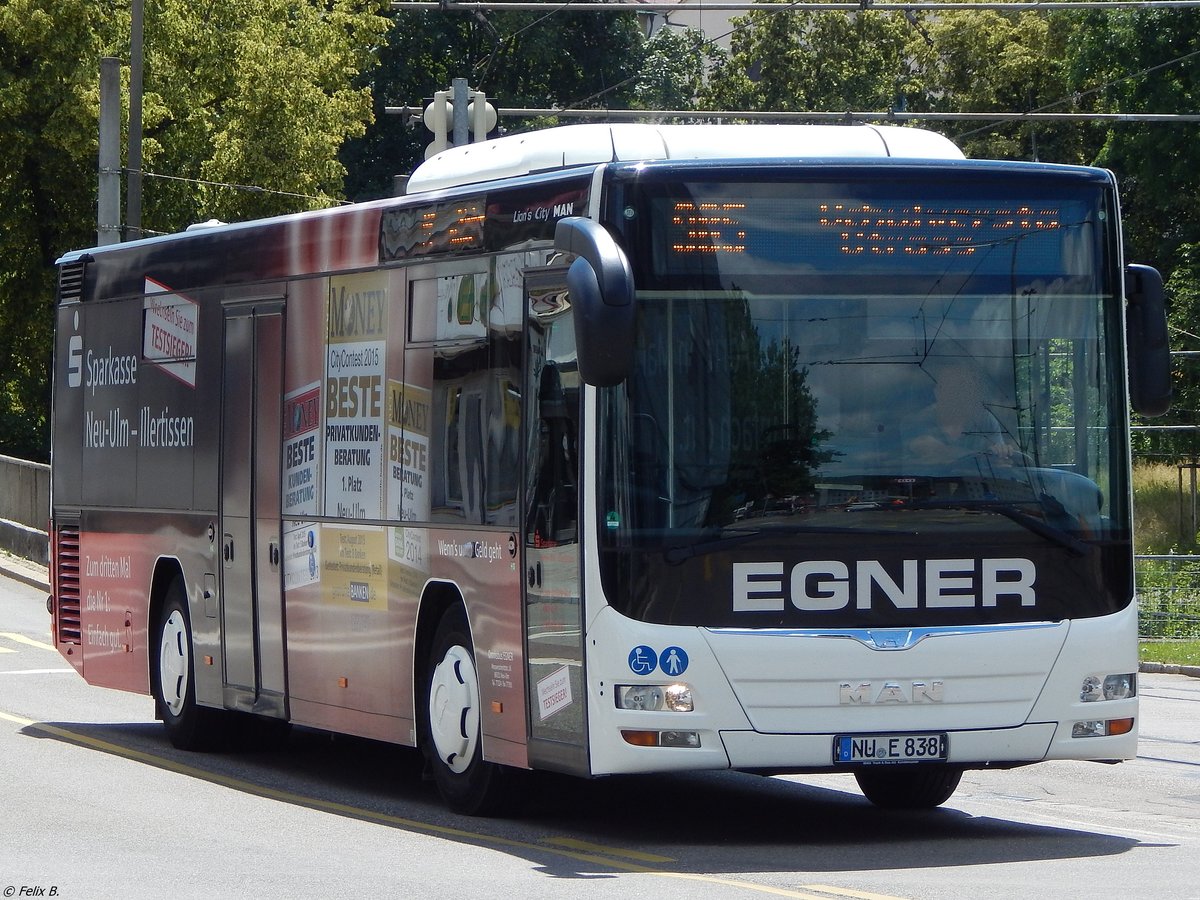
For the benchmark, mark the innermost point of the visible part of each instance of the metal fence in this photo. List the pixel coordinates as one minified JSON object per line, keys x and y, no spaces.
{"x":1169,"y":592}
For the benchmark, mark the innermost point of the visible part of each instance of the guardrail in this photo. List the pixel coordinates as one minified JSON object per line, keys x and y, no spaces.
{"x":24,"y":508}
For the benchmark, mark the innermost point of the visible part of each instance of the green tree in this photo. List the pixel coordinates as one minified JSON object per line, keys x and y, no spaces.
{"x":1026,"y":70}
{"x":674,"y":72}
{"x":253,"y":92}
{"x":48,"y":127}
{"x":1146,"y":61}
{"x":520,"y":59}
{"x":1143,"y":61}
{"x":802,"y":60}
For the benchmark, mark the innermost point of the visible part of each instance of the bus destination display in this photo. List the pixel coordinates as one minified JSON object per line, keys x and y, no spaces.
{"x":736,"y":234}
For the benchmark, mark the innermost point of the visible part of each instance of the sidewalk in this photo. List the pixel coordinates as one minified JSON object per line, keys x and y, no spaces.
{"x":23,"y":570}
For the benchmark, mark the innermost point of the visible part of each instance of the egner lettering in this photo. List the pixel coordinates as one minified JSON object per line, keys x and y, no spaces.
{"x":823,"y":585}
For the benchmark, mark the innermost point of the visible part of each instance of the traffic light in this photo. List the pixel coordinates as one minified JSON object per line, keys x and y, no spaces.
{"x":458,"y":116}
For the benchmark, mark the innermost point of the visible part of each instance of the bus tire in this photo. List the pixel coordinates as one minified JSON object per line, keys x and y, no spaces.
{"x":189,"y":726}
{"x":451,"y":734}
{"x":908,"y":787}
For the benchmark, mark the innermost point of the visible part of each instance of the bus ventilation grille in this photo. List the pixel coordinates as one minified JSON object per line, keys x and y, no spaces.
{"x":70,"y":282}
{"x":66,"y":561}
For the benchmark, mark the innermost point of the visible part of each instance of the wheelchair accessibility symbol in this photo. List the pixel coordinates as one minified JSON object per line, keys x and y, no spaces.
{"x":642,"y":660}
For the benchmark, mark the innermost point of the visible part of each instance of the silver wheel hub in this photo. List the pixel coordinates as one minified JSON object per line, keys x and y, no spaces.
{"x":173,"y":657}
{"x":454,"y":709}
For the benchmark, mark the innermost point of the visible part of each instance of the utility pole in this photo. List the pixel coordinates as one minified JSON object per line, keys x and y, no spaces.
{"x":133,"y":184}
{"x":108,"y":206}
{"x":461,"y":123}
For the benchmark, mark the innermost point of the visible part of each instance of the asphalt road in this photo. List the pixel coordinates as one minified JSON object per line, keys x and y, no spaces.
{"x":94,"y":803}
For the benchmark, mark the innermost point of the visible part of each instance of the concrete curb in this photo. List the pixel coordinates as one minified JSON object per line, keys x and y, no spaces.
{"x":1152,"y":668}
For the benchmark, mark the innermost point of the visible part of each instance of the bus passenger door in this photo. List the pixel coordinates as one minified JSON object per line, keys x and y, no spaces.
{"x":251,"y":580}
{"x":553,"y":613}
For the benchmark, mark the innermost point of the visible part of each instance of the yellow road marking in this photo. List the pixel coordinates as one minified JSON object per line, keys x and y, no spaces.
{"x":565,"y":847}
{"x":848,"y":892}
{"x":623,"y":852}
{"x":768,"y":889}
{"x":21,"y":639}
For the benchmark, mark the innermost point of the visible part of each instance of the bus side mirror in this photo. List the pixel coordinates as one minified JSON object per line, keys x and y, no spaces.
{"x":600,"y":282}
{"x":1146,"y":339}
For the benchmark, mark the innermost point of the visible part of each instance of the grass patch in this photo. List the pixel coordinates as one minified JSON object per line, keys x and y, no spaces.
{"x":1156,"y":510}
{"x":1175,"y":653}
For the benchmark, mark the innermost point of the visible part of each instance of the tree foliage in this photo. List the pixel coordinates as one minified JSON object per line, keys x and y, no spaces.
{"x":48,"y":127}
{"x":287,"y":98}
{"x":674,"y":69}
{"x":1146,"y":61}
{"x":519,"y":59}
{"x":995,"y":61}
{"x":253,"y":92}
{"x":802,"y":60}
{"x":250,"y":92}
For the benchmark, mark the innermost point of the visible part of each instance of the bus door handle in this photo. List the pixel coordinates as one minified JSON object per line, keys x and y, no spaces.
{"x":227,"y":549}
{"x":273,"y":552}
{"x":535,"y":575}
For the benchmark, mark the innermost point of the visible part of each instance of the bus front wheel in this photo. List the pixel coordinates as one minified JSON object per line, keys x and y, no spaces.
{"x":451,"y":735}
{"x":908,"y":787}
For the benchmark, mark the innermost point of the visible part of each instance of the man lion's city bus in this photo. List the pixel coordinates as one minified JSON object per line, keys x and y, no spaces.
{"x":624,"y":449}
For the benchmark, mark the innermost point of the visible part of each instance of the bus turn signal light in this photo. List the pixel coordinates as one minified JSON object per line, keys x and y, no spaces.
{"x":1101,"y":728}
{"x":661,"y":738}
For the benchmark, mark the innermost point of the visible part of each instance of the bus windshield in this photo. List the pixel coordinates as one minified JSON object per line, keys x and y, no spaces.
{"x":868,"y":403}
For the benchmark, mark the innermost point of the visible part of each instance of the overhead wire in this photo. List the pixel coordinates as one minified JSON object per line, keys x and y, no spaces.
{"x":865,"y":6}
{"x":249,"y":188}
{"x":1073,"y":98}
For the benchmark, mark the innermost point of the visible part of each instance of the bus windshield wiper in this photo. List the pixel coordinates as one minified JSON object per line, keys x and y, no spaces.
{"x":732,"y":536}
{"x":1029,"y":522}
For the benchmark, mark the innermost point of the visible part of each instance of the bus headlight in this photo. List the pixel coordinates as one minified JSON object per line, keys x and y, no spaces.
{"x":671,"y":697}
{"x":1112,"y":687}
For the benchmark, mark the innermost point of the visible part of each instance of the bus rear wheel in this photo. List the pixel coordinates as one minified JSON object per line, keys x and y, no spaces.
{"x":908,"y":787}
{"x":452,"y":740}
{"x":189,"y":726}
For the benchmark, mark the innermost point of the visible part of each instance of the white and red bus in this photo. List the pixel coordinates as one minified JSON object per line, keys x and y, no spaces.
{"x":621,"y":449}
